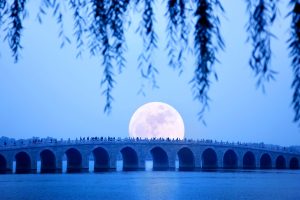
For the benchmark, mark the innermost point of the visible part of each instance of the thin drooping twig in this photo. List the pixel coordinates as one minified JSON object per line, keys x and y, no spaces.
{"x":116,"y":16}
{"x":57,"y":12}
{"x":262,"y":14}
{"x":14,"y":31}
{"x":146,"y":30}
{"x":100,"y":44}
{"x":177,"y":33}
{"x":294,"y":47}
{"x":80,"y":24}
{"x":206,"y":31}
{"x":172,"y":31}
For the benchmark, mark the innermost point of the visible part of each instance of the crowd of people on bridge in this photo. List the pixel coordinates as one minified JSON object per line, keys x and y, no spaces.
{"x":9,"y":142}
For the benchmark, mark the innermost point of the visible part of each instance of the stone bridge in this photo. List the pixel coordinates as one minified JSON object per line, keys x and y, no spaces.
{"x":191,"y":155}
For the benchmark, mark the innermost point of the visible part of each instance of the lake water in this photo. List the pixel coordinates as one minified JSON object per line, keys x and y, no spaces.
{"x":154,"y":185}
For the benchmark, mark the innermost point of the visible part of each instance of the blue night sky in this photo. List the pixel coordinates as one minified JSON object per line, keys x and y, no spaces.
{"x":51,"y":93}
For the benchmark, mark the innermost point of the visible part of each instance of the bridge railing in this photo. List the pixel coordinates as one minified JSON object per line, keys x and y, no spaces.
{"x":37,"y":142}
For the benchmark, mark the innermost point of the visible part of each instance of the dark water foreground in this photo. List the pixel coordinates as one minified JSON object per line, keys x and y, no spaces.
{"x":153,"y":185}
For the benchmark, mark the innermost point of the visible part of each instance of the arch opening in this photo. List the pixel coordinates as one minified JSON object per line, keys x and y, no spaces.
{"x":101,"y":160}
{"x":294,"y":163}
{"x":3,"y":165}
{"x":48,"y":161}
{"x":160,"y":159}
{"x":265,"y":161}
{"x":23,"y":163}
{"x":230,"y":160}
{"x":186,"y":159}
{"x":209,"y":159}
{"x":280,"y":162}
{"x":74,"y":160}
{"x":249,"y":160}
{"x":130,"y":159}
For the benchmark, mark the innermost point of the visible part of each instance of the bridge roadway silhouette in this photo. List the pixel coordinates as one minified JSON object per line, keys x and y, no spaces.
{"x":192,"y":155}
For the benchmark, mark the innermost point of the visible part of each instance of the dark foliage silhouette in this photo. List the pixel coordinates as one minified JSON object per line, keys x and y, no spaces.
{"x":294,"y":47}
{"x":262,"y":14}
{"x":99,"y":27}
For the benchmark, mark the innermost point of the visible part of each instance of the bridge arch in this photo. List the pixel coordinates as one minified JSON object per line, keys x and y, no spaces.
{"x":48,"y":161}
{"x":280,"y":162}
{"x":101,"y":159}
{"x":130,"y":159}
{"x":3,"y":164}
{"x":249,"y":160}
{"x":74,"y":160}
{"x":230,"y":159}
{"x":294,"y":163}
{"x":209,"y":159}
{"x":186,"y":159}
{"x":265,"y":161}
{"x":160,"y":159}
{"x":23,"y":162}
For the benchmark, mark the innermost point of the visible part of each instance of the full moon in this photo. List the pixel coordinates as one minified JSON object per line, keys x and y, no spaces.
{"x":156,"y":120}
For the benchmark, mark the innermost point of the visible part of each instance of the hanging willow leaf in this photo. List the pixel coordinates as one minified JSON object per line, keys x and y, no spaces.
{"x":149,"y":36}
{"x":294,"y":47}
{"x":184,"y":32}
{"x":262,"y":14}
{"x":14,"y":31}
{"x":103,"y":22}
{"x":177,"y":32}
{"x":172,"y":28}
{"x":206,"y":32}
{"x":57,"y":12}
{"x":3,"y":10}
{"x":116,"y":15}
{"x":100,"y":44}
{"x":78,"y":7}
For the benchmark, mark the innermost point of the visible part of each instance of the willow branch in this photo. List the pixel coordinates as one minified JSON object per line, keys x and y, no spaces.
{"x":206,"y":31}
{"x":262,"y":14}
{"x":149,"y":36}
{"x":14,"y":31}
{"x":294,"y":47}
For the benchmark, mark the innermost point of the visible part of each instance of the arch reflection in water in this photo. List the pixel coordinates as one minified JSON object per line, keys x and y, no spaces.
{"x":101,"y":160}
{"x":186,"y":159}
{"x":294,"y":163}
{"x":23,"y":163}
{"x":48,"y":161}
{"x":209,"y":159}
{"x":160,"y":159}
{"x":74,"y":160}
{"x":280,"y":162}
{"x":3,"y":165}
{"x":130,"y":159}
{"x":230,"y":160}
{"x":265,"y":161}
{"x":249,"y":160}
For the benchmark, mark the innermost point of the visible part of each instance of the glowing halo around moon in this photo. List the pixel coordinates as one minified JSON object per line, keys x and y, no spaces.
{"x":156,"y":120}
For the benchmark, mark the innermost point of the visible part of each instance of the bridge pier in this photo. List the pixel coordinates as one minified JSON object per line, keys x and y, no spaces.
{"x":273,"y":162}
{"x":141,"y":164}
{"x":172,"y":162}
{"x":240,"y":161}
{"x":257,"y":162}
{"x":59,"y":164}
{"x":220,"y":160}
{"x":197,"y":162}
{"x":85,"y":163}
{"x":33,"y":169}
{"x":112,"y":162}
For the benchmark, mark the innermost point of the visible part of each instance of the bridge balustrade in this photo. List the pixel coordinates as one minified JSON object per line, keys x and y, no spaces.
{"x":191,"y":155}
